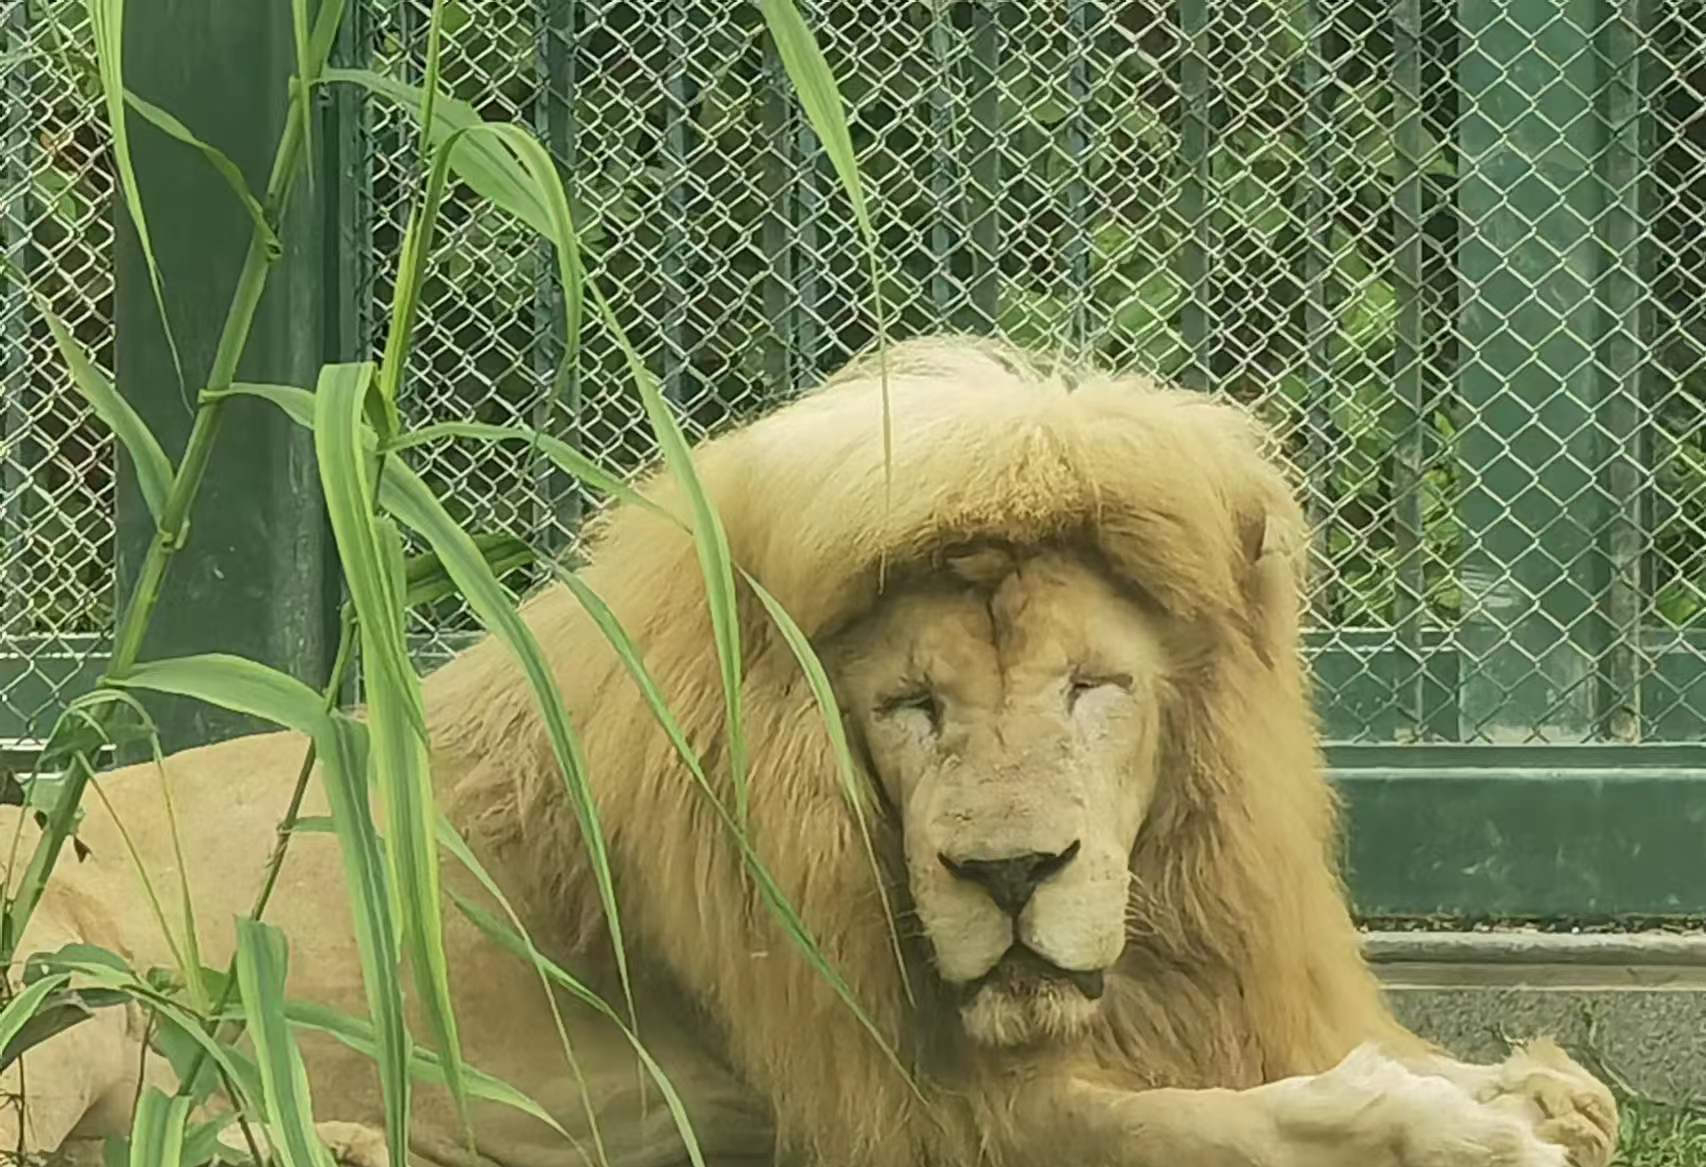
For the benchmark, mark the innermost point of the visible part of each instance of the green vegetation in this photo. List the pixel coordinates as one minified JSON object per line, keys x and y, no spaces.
{"x":1660,"y":1135}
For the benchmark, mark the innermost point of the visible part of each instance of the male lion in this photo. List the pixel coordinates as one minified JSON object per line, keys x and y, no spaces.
{"x":1065,"y":644}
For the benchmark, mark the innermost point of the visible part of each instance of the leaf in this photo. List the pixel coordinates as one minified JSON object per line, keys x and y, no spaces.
{"x":22,"y":1009}
{"x":407,"y":497}
{"x":61,"y":1011}
{"x":774,"y":899}
{"x":232,"y":682}
{"x":547,"y":185}
{"x":262,"y":963}
{"x":104,"y":970}
{"x":515,"y":938}
{"x":427,"y":581}
{"x":484,"y":163}
{"x":566,"y":458}
{"x":346,"y":480}
{"x":852,"y":787}
{"x":341,"y":748}
{"x":201,"y":1141}
{"x":820,"y":97}
{"x":296,"y":403}
{"x":398,"y":767}
{"x":417,"y":238}
{"x":157,"y":1129}
{"x":424,"y":1065}
{"x":343,"y":762}
{"x":106,"y":25}
{"x":169,"y":124}
{"x":301,"y":86}
{"x":153,"y":468}
{"x":401,"y":886}
{"x":197,"y":1074}
{"x":452,"y":842}
{"x":710,"y":542}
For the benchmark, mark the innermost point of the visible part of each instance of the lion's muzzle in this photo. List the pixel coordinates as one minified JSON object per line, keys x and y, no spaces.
{"x":1011,"y":881}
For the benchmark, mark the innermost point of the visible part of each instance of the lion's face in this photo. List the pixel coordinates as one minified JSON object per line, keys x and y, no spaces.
{"x":1011,"y":712}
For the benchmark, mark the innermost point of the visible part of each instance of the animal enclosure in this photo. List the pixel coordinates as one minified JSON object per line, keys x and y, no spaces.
{"x":1454,"y":253}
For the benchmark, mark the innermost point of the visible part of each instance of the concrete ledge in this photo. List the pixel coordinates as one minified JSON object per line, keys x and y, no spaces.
{"x":1641,"y":960}
{"x":1630,"y":1006}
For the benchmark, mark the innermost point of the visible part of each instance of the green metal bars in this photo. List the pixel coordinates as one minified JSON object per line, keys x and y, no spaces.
{"x":1454,"y":251}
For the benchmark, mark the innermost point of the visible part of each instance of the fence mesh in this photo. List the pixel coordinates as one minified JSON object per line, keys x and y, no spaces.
{"x":1454,"y":253}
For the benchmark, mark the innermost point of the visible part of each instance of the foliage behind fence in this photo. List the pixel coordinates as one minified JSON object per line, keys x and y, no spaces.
{"x":1453,"y":253}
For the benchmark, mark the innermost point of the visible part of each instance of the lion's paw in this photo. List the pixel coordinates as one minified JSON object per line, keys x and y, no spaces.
{"x":1424,"y":1120}
{"x":353,"y":1144}
{"x":1562,"y":1102}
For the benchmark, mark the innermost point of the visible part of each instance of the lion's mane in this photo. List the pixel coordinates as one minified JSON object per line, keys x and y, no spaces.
{"x":1242,"y":963}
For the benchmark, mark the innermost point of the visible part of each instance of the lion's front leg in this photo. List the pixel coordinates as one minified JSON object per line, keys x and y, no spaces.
{"x":1368,"y":1111}
{"x":1548,"y":1089}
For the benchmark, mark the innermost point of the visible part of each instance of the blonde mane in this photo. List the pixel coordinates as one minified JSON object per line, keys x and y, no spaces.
{"x":1240,"y":943}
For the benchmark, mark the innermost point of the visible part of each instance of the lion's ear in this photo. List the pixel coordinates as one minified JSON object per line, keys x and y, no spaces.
{"x":1275,"y":572}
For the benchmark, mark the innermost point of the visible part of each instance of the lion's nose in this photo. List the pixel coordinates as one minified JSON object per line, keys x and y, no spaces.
{"x":1010,"y":882}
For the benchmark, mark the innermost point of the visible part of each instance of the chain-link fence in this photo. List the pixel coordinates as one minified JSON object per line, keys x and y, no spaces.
{"x":1454,"y":252}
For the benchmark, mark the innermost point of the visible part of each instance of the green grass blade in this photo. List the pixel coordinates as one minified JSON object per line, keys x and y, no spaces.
{"x":83,"y":708}
{"x":153,"y":468}
{"x":501,"y":161}
{"x":417,"y":236}
{"x":774,"y":898}
{"x":201,"y":1141}
{"x":298,"y":405}
{"x":452,"y":842}
{"x":566,"y":458}
{"x":106,"y":25}
{"x":427,"y":582}
{"x":246,"y":686}
{"x":231,"y":682}
{"x":852,"y":787}
{"x":482,"y":161}
{"x":295,"y":402}
{"x":429,"y":82}
{"x":409,"y":499}
{"x":820,"y":98}
{"x":710,"y":542}
{"x":262,"y":964}
{"x":397,"y":720}
{"x":343,"y":755}
{"x":326,"y":24}
{"x":346,"y":478}
{"x":302,"y":85}
{"x":515,"y":938}
{"x":104,"y":970}
{"x":400,"y":771}
{"x":169,"y":124}
{"x":157,"y":1129}
{"x":21,"y":1009}
{"x":424,"y":1066}
{"x":547,"y":186}
{"x":60,"y":1012}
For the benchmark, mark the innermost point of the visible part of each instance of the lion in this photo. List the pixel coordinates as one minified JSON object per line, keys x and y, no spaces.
{"x":1104,"y":924}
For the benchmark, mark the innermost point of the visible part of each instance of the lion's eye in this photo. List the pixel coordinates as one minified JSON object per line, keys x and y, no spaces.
{"x":913,"y":701}
{"x":1083,"y":683}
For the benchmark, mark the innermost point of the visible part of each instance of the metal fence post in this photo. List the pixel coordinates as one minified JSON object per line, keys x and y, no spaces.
{"x":1532,"y":256}
{"x":260,"y":577}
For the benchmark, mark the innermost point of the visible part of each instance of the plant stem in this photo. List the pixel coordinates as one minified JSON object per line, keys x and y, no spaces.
{"x":172,"y":530}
